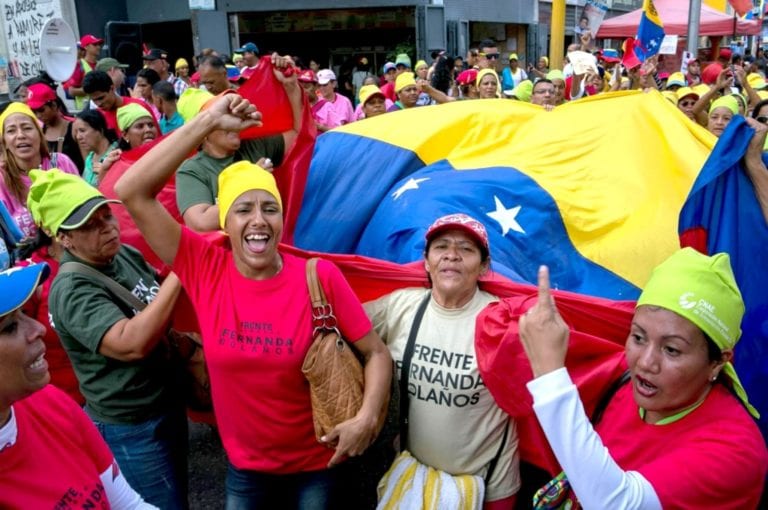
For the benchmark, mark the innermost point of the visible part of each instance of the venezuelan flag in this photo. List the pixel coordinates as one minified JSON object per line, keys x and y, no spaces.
{"x":593,"y":189}
{"x":650,"y":32}
{"x":722,"y":214}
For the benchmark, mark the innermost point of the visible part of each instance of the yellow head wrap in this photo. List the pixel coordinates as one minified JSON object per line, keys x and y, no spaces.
{"x":16,"y":107}
{"x":240,"y":177}
{"x":726,"y":102}
{"x":485,"y":72}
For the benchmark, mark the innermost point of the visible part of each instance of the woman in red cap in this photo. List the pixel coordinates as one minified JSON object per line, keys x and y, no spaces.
{"x":449,"y":420}
{"x":57,"y":124}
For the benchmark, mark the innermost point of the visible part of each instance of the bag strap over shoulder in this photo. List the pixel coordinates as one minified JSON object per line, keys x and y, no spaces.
{"x":406,"y":369}
{"x":316,"y":293}
{"x":115,"y":288}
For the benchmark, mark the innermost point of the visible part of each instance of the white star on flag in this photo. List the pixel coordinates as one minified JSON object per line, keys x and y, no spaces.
{"x":507,"y":218}
{"x":411,"y":184}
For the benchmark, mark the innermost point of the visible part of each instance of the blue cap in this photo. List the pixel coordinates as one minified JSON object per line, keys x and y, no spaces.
{"x":249,"y":47}
{"x":17,"y":285}
{"x":388,"y":66}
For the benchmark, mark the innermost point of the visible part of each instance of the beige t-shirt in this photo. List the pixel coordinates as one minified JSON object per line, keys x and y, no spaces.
{"x":454,"y":423}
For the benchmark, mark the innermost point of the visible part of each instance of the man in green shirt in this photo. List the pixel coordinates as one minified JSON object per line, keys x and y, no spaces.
{"x":197,"y":178}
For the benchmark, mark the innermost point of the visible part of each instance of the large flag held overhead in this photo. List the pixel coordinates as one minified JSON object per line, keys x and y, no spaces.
{"x":593,"y":189}
{"x":722,"y":214}
{"x":650,"y":32}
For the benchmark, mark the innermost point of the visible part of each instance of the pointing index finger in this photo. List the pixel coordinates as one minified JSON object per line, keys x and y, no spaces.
{"x":545,"y":298}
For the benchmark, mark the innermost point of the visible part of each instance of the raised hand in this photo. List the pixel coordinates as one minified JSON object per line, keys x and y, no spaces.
{"x":231,"y":112}
{"x":543,"y":332}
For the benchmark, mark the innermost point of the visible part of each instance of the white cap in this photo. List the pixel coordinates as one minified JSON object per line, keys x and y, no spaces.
{"x":324,"y":76}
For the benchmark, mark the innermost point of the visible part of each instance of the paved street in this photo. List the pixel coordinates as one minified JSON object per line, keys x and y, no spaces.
{"x":207,"y":468}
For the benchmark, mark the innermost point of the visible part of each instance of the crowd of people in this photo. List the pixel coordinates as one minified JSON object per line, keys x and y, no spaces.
{"x":680,"y":433}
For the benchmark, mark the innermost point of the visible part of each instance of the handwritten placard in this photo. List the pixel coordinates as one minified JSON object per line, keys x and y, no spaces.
{"x":23,"y":21}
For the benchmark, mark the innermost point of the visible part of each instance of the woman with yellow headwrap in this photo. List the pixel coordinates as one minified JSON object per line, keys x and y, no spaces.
{"x":488,"y":85}
{"x":720,"y":114}
{"x":24,"y":149}
{"x":253,"y":305}
{"x":678,"y":432}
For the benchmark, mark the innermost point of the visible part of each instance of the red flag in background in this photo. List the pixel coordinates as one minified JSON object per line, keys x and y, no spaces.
{"x":265,"y":91}
{"x":741,"y":6}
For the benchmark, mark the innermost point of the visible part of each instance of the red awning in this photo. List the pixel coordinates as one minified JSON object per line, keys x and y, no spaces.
{"x":674,"y":15}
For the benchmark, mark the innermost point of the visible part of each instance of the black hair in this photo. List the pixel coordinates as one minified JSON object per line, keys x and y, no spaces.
{"x":488,"y":43}
{"x":758,"y":106}
{"x":543,"y":80}
{"x":714,"y":354}
{"x":148,"y":74}
{"x":441,"y":77}
{"x":165,"y":91}
{"x":97,"y":81}
{"x":96,"y":120}
{"x":214,"y":62}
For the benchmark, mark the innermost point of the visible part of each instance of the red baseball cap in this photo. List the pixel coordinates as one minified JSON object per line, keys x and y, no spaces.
{"x":308,"y":76}
{"x":459,"y":221}
{"x":39,"y":95}
{"x":467,"y":77}
{"x":90,"y":39}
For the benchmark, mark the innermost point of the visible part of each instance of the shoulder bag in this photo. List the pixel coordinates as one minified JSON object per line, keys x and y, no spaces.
{"x":332,"y":369}
{"x":183,"y":347}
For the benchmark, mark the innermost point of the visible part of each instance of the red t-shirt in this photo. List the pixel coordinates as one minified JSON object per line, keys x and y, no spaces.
{"x":715,"y":457}
{"x":57,"y":457}
{"x":111,"y":115}
{"x":59,"y":366}
{"x":256,"y":334}
{"x":388,"y":89}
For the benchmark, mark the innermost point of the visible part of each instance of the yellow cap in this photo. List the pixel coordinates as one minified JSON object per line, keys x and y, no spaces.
{"x":404,"y":80}
{"x":676,"y":79}
{"x":368,"y":91}
{"x":685,"y":91}
{"x":513,"y":56}
{"x":420,"y":64}
{"x":756,"y":81}
{"x":191,"y":102}
{"x":182,"y":62}
{"x":240,"y":177}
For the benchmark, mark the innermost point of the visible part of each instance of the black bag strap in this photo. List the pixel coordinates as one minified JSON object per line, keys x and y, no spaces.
{"x":113,"y":287}
{"x":605,"y":399}
{"x":495,"y":460}
{"x":406,"y":369}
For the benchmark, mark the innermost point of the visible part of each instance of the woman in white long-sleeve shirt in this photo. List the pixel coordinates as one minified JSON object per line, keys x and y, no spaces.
{"x":679,"y":434}
{"x":51,"y":454}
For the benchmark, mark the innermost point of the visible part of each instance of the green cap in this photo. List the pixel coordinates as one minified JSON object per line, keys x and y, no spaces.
{"x":105,"y":64}
{"x":523,"y":90}
{"x":703,"y":290}
{"x":555,"y":74}
{"x":62,"y":201}
{"x":191,"y":102}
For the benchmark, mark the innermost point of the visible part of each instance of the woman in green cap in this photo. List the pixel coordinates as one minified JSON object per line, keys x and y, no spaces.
{"x":720,"y":114}
{"x":679,"y":433}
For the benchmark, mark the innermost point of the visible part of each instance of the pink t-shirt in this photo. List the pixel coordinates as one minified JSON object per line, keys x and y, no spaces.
{"x":18,"y":209}
{"x":341,"y":108}
{"x":324,"y":114}
{"x":714,"y":457}
{"x":256,"y":334}
{"x":57,"y":457}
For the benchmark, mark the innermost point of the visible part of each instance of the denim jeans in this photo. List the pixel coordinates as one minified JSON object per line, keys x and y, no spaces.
{"x":152,"y":456}
{"x":251,"y":490}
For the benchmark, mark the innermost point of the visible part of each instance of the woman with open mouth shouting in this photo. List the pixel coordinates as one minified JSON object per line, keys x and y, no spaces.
{"x":678,"y":433}
{"x":255,"y":314}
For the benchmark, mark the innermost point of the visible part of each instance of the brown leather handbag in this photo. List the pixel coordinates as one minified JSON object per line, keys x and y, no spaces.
{"x":333,"y":370}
